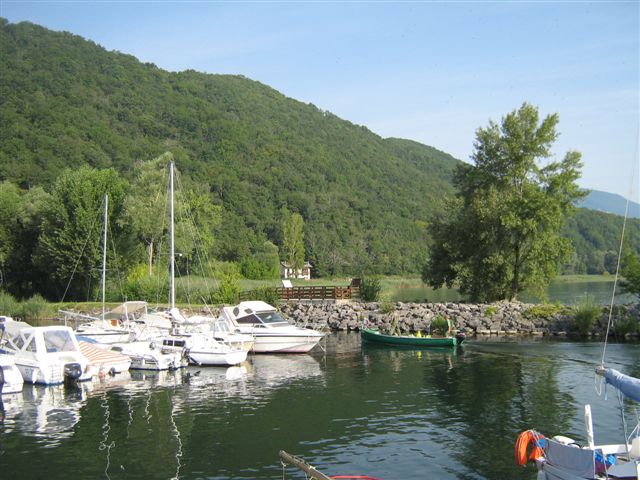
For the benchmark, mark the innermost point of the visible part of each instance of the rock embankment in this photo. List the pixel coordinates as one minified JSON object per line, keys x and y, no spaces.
{"x":502,"y":318}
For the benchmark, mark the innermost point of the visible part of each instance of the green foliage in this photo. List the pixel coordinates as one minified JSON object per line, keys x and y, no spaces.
{"x":545,"y":311}
{"x":365,"y":200}
{"x":370,"y":288}
{"x":35,"y":308}
{"x":228,"y":291}
{"x":514,"y":207}
{"x":439,"y":325}
{"x":631,"y":272}
{"x":585,"y":316}
{"x":266,"y":294}
{"x":70,"y":245}
{"x":245,"y":152}
{"x":264,"y":264}
{"x":293,"y":232}
{"x":387,"y":306}
{"x":8,"y":304}
{"x":139,"y":285}
{"x":626,"y":325}
{"x":490,"y":311}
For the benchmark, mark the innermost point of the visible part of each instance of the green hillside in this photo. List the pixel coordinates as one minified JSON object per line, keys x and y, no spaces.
{"x":366,"y":201}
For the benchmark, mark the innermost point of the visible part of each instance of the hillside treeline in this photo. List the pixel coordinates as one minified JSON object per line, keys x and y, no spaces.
{"x":247,"y":152}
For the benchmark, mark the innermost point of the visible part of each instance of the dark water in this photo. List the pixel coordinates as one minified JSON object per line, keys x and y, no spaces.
{"x":389,"y":413}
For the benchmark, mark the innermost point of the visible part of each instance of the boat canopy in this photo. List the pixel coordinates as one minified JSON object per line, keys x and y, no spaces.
{"x":629,"y":386}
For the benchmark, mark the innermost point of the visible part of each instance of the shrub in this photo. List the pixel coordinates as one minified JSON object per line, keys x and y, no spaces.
{"x":36,"y":308}
{"x":370,"y":288}
{"x":625,"y":324}
{"x":439,"y":325}
{"x":387,"y":306}
{"x":586,"y":314}
{"x":229,"y":287}
{"x":490,"y":311}
{"x":269,"y":295}
{"x":141,"y":286}
{"x":8,"y":304}
{"x":545,"y":310}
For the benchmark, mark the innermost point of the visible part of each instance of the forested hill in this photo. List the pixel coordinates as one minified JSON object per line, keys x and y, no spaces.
{"x":366,"y":201}
{"x":66,"y":102}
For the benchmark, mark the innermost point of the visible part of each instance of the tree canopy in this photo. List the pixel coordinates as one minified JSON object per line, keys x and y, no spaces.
{"x":503,"y":234}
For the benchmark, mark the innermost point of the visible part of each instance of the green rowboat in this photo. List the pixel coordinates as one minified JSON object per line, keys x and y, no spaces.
{"x":374,"y":336}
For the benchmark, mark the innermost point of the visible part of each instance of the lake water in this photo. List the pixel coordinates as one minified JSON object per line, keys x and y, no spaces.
{"x":564,"y":292}
{"x":390,"y":413}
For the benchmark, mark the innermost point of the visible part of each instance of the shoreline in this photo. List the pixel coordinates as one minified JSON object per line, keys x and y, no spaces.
{"x":499,"y":318}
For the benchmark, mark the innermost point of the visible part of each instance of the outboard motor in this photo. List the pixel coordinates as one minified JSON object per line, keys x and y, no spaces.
{"x":72,"y":372}
{"x":460,"y":336}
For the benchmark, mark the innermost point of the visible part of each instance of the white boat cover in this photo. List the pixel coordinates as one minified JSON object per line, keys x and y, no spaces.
{"x":629,"y":386}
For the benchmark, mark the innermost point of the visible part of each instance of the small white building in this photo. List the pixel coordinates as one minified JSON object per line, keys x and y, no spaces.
{"x":286,"y":271}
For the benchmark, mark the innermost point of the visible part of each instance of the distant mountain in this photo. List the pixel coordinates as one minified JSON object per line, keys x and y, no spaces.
{"x":609,"y":203}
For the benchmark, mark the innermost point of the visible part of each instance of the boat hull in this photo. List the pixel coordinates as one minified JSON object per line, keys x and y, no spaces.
{"x":275,"y":343}
{"x":373,"y":336}
{"x":12,"y":381}
{"x":217,"y":358}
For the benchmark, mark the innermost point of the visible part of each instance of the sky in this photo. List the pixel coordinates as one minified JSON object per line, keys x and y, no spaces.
{"x":429,"y":71}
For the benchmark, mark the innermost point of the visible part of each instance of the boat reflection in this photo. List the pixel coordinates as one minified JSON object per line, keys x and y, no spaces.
{"x":48,"y":412}
{"x":280,"y":370}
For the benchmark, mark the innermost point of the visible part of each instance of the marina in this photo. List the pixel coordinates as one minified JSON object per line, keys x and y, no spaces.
{"x":351,"y":410}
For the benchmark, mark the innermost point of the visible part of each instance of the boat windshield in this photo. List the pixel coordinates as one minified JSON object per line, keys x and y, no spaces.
{"x":221,"y":325}
{"x":271,"y":318}
{"x":58,"y":341}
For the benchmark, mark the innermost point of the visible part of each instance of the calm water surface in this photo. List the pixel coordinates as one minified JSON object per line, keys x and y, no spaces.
{"x":389,"y":413}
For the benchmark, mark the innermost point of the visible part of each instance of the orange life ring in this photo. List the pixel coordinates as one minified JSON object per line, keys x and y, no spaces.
{"x":526,"y":438}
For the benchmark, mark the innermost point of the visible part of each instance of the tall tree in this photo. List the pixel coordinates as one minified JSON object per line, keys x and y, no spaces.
{"x":630,"y":269}
{"x":70,"y":245}
{"x":502,"y":234}
{"x":146,"y":202}
{"x":293,"y":229}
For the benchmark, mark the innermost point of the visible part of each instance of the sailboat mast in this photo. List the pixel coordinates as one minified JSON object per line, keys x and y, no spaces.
{"x":173,"y":295}
{"x":104,"y":250}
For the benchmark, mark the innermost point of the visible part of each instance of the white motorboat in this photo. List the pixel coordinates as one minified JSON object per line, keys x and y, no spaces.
{"x":272,"y":332}
{"x":11,"y":380}
{"x":148,"y":355}
{"x":204,"y":349}
{"x":49,"y":355}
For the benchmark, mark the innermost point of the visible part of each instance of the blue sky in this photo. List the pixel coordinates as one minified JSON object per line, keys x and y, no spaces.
{"x":428,"y":71}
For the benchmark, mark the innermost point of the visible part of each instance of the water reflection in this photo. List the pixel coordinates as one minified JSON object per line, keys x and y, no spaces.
{"x":390,"y":413}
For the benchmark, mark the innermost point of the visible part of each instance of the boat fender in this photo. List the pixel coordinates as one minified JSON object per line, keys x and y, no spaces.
{"x":524,"y":440}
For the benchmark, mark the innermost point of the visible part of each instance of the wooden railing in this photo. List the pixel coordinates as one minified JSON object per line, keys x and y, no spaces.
{"x":310,"y":293}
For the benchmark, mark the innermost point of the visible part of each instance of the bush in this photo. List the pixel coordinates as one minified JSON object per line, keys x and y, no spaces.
{"x":151,"y":288}
{"x":545,"y":311}
{"x":229,"y":287}
{"x":36,"y":308}
{"x":387,"y":306}
{"x":439,"y":325}
{"x":370,"y":288}
{"x":267,"y":294}
{"x":8,"y":305}
{"x":586,"y":315}
{"x":490,"y":311}
{"x":625,"y":324}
